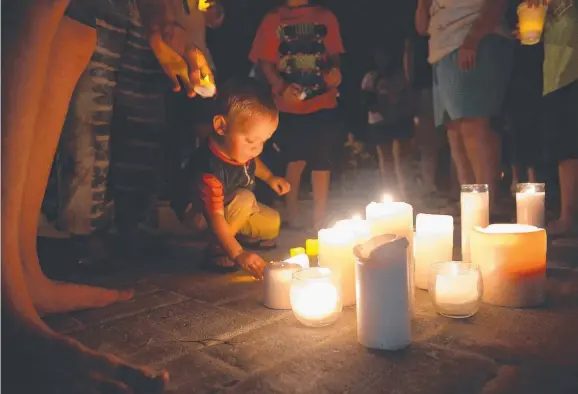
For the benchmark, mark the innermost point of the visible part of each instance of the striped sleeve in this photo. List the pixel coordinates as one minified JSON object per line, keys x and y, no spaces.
{"x":210,"y":190}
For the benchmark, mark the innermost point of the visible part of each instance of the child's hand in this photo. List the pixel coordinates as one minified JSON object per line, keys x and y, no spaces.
{"x":291,"y":93}
{"x":280,"y":185}
{"x":252,"y":263}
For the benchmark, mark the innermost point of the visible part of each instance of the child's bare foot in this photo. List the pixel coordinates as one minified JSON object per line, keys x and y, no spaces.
{"x":51,"y":297}
{"x":42,"y":361}
{"x":217,"y":260}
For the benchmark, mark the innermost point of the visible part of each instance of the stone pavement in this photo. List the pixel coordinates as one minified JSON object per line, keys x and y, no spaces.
{"x":213,"y":335}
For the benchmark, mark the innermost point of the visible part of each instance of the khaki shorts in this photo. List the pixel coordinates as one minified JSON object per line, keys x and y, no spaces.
{"x":244,"y":214}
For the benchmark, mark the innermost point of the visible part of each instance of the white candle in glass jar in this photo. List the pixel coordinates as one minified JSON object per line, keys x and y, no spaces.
{"x":434,"y":242}
{"x":396,"y":218}
{"x":475,"y":211}
{"x":530,"y":198}
{"x":277,"y":283}
{"x":336,"y":253}
{"x":358,"y":226}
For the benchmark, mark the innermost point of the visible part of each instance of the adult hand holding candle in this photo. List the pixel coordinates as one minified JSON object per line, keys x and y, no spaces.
{"x":530,"y":204}
{"x":512,"y":258}
{"x":336,"y":253}
{"x":206,"y":88}
{"x":434,"y":242}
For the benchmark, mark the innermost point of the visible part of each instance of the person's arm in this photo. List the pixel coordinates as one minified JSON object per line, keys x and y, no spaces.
{"x":280,"y":185}
{"x":489,"y":18}
{"x":262,"y":171}
{"x":422,"y":16}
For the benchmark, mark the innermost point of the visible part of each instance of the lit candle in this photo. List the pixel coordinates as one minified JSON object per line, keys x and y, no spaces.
{"x":314,"y":297}
{"x":300,"y":259}
{"x":434,"y":242}
{"x":475,"y":207}
{"x":277,"y":281}
{"x":396,"y":218}
{"x":336,"y":253}
{"x":530,"y":204}
{"x":383,"y":313}
{"x":358,"y":226}
{"x":455,"y":288}
{"x":512,"y":258}
{"x":206,"y":88}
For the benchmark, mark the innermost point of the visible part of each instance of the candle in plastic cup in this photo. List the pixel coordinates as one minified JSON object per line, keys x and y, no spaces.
{"x":531,"y":23}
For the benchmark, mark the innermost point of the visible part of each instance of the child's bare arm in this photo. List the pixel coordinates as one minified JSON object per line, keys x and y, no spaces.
{"x":224,"y":234}
{"x":422,"y":16}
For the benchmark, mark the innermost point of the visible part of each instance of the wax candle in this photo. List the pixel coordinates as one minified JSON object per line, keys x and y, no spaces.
{"x":434,"y":242}
{"x":206,"y":88}
{"x":512,"y":259}
{"x":277,"y":283}
{"x":530,"y":204}
{"x":358,"y":226}
{"x":456,"y":288}
{"x":336,"y":253}
{"x":315,"y":298}
{"x":475,"y":207}
{"x":312,"y":251}
{"x":389,"y":217}
{"x":300,"y":259}
{"x":383,"y":313}
{"x":296,"y":251}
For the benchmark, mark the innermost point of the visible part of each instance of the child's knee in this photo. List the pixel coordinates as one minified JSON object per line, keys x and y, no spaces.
{"x":273,"y":225}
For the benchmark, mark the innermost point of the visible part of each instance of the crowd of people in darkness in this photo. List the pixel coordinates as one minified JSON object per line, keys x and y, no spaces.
{"x":101,"y":120}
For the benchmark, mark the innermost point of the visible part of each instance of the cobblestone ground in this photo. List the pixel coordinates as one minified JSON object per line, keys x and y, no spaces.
{"x":213,"y":335}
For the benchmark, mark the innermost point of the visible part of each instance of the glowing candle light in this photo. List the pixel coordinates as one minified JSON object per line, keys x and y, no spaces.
{"x":277,"y":283}
{"x":530,"y":204}
{"x":358,"y":226}
{"x":434,"y":242}
{"x":314,"y":297}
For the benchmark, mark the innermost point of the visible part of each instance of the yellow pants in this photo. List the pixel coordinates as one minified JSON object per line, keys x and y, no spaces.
{"x":253,"y":219}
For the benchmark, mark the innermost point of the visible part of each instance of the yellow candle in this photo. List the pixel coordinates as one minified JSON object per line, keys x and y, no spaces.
{"x":512,"y":259}
{"x":336,"y":253}
{"x":296,"y":251}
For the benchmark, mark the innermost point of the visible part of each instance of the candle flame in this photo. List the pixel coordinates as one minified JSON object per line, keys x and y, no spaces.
{"x":203,"y":5}
{"x":206,"y":79}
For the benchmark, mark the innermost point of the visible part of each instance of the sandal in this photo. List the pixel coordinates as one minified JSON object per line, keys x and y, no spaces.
{"x":210,"y":264}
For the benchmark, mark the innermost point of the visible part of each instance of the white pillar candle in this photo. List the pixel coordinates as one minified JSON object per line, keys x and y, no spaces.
{"x":358,"y":226}
{"x":475,"y":211}
{"x":383,"y":313}
{"x":512,"y":259}
{"x":277,"y":284}
{"x":389,"y":217}
{"x":300,"y":259}
{"x":336,"y":253}
{"x":434,"y":242}
{"x":530,"y":204}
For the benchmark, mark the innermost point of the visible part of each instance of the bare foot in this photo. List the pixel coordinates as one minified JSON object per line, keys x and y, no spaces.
{"x":44,"y":362}
{"x":51,"y":297}
{"x":562,"y":227}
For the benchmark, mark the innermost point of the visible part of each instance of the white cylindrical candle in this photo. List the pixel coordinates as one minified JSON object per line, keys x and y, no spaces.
{"x":455,"y":288}
{"x":395,"y":218}
{"x":475,"y":211}
{"x":434,"y":242}
{"x":300,"y":259}
{"x":383,"y":313}
{"x":277,"y":284}
{"x":512,"y":259}
{"x":530,"y":199}
{"x":358,"y":226}
{"x":336,"y":253}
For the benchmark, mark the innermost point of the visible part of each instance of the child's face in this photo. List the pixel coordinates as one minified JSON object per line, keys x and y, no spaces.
{"x":243,"y":140}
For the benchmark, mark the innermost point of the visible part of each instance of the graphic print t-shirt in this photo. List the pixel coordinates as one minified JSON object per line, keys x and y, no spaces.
{"x":299,"y":41}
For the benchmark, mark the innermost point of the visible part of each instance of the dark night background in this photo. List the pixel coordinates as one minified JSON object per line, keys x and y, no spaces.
{"x":363,"y":23}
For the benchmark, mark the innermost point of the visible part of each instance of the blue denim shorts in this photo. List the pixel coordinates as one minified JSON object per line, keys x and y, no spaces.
{"x":476,"y":93}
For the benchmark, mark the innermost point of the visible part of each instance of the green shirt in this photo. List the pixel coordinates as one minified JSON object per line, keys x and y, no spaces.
{"x":561,"y":44}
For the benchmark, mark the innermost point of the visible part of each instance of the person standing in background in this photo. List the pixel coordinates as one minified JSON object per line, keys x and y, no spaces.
{"x":298,"y":48}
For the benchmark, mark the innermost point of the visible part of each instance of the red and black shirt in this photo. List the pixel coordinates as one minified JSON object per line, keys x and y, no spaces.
{"x":209,"y":180}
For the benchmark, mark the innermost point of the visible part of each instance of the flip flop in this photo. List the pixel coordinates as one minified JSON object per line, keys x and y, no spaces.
{"x":209,"y":262}
{"x":258,"y":245}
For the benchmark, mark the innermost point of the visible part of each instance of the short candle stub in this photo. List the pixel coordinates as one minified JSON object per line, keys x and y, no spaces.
{"x":206,"y":90}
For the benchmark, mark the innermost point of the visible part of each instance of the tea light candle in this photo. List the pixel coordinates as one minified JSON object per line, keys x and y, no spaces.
{"x":206,"y":88}
{"x":455,"y":288}
{"x":314,"y":297}
{"x":434,"y":242}
{"x":336,"y":253}
{"x":358,"y":226}
{"x":396,"y":218}
{"x":475,"y":207}
{"x":530,"y":204}
{"x":277,"y":281}
{"x":512,"y":259}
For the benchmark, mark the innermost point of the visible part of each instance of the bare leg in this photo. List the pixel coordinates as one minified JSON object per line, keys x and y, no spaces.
{"x":401,"y":151}
{"x":515,"y":178}
{"x":320,"y":182}
{"x":51,"y":363}
{"x":428,"y":142}
{"x":293,"y":176}
{"x":459,"y":156}
{"x":531,"y":175}
{"x":385,"y":162}
{"x":481,"y":144}
{"x":568,"y":172}
{"x":70,"y":53}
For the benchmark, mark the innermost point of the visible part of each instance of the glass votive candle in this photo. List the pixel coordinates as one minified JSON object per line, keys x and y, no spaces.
{"x":315,"y":298}
{"x":530,"y":200}
{"x":455,"y":288}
